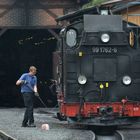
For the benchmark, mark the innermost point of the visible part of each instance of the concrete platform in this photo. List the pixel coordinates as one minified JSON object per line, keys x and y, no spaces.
{"x":10,"y":123}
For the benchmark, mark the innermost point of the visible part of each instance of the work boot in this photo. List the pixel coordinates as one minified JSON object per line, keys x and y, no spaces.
{"x":24,"y":125}
{"x":32,"y":125}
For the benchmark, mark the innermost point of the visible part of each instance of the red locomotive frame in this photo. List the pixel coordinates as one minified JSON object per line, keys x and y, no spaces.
{"x":121,"y":109}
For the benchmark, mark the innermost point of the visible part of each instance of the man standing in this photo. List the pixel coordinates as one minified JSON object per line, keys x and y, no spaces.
{"x":28,"y":82}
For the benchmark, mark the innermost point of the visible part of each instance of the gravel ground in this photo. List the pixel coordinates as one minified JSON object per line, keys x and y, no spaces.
{"x":10,"y":122}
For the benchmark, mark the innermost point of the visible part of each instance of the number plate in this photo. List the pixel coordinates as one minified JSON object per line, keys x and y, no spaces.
{"x":104,"y":50}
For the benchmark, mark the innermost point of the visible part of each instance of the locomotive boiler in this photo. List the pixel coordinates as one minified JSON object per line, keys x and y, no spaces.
{"x":98,"y":70}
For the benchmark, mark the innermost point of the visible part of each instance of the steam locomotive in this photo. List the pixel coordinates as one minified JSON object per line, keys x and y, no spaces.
{"x":98,"y":69}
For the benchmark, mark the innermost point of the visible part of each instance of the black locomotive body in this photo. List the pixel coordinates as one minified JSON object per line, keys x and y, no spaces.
{"x":98,"y":72}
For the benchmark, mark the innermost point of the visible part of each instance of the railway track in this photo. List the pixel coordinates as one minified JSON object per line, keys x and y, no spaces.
{"x":4,"y":136}
{"x":130,"y":134}
{"x":115,"y":136}
{"x":121,"y":134}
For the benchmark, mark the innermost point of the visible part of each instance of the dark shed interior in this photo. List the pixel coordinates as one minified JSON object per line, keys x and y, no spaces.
{"x":20,"y":49}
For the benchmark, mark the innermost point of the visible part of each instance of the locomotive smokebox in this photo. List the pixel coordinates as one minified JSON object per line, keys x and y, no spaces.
{"x":104,"y":30}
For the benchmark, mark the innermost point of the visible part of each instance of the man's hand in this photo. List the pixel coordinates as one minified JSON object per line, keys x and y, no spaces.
{"x":23,"y":82}
{"x":36,"y":94}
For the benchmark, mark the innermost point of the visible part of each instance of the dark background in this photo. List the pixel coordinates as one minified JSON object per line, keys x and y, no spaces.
{"x":20,"y":49}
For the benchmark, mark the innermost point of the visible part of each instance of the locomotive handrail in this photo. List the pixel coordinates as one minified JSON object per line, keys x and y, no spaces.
{"x":133,"y":3}
{"x":78,"y":13}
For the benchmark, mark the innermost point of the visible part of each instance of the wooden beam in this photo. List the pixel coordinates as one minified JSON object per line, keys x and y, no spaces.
{"x":32,"y":27}
{"x":8,"y":9}
{"x":3,"y":31}
{"x":52,"y":14}
{"x":54,"y":34}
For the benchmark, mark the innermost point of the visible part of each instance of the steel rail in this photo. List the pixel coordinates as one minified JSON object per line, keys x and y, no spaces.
{"x":116,"y":136}
{"x":5,"y":136}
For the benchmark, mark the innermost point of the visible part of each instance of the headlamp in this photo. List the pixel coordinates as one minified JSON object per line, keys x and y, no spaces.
{"x":82,"y":79}
{"x":105,"y":38}
{"x":126,"y":80}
